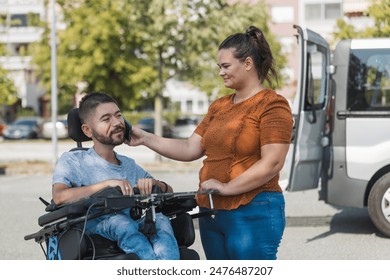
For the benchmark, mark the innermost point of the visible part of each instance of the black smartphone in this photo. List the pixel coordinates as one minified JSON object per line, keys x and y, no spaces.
{"x":127,"y":130}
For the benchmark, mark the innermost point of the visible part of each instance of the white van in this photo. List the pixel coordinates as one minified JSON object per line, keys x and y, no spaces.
{"x":342,"y":124}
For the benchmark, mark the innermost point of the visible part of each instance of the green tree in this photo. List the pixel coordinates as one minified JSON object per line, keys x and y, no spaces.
{"x":131,"y":48}
{"x":181,"y":40}
{"x":8,"y":92}
{"x":215,"y":21}
{"x":345,"y":30}
{"x":98,"y":47}
{"x":379,"y":11}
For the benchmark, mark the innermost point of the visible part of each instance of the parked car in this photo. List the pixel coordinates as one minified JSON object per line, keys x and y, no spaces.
{"x":147,"y":124}
{"x":2,"y":127}
{"x":185,"y":126}
{"x":23,"y":128}
{"x":62,"y":128}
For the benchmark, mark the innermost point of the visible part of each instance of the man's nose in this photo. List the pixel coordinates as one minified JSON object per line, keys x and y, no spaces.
{"x":117,"y":121}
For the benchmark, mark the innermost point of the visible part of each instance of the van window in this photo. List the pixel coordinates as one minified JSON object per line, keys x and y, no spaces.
{"x":316,"y":71}
{"x":369,"y":80}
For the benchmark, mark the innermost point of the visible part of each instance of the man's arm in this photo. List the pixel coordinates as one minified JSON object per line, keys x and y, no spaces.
{"x":62,"y":193}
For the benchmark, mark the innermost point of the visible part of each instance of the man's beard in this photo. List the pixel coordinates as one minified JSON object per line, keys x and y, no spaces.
{"x":109,"y":140}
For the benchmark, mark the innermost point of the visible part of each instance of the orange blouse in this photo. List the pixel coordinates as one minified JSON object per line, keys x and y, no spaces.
{"x":232,"y":136}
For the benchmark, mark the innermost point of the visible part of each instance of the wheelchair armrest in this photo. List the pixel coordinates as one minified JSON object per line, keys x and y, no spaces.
{"x":76,"y":208}
{"x":63,"y":212}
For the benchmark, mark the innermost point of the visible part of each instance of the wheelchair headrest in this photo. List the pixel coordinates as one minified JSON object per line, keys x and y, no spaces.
{"x":74,"y":126}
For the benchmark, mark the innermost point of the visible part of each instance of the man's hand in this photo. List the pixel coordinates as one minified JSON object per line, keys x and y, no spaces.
{"x":145,"y":185}
{"x":123,"y":184}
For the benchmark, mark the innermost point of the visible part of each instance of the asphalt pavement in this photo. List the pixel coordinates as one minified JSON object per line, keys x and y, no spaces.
{"x":314,"y":230}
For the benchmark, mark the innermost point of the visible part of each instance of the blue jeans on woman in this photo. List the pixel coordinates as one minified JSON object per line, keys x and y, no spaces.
{"x":122,"y":228}
{"x":250,"y":232}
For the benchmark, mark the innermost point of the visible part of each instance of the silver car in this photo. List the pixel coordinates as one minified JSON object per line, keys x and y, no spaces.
{"x":23,"y":128}
{"x":185,"y":126}
{"x":62,"y":129}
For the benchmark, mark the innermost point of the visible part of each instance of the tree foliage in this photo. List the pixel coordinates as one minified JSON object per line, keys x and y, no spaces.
{"x":345,"y":30}
{"x":97,"y":46}
{"x":130,"y":48}
{"x":379,"y":11}
{"x":8,"y":92}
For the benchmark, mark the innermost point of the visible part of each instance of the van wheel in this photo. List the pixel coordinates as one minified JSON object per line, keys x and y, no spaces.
{"x":379,"y":204}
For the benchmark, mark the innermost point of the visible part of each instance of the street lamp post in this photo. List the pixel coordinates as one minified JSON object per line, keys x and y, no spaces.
{"x":54,"y":81}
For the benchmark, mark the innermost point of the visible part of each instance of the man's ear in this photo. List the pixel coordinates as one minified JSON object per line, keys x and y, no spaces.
{"x":87,"y":130}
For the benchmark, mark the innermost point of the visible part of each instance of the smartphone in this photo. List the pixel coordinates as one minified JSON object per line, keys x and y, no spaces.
{"x":127,"y":130}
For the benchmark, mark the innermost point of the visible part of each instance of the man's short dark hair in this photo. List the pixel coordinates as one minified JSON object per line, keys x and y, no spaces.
{"x":90,"y":101}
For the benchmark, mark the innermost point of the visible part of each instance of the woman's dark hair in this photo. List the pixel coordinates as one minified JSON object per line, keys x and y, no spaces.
{"x":253,"y":44}
{"x":90,"y":101}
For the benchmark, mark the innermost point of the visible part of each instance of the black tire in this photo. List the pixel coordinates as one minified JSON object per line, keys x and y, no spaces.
{"x":379,"y":204}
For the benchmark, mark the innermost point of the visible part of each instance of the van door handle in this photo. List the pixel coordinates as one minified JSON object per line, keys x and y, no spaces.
{"x":342,"y":114}
{"x":313,"y":116}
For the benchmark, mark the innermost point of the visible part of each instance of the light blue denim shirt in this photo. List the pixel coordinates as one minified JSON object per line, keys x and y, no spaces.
{"x":86,"y":167}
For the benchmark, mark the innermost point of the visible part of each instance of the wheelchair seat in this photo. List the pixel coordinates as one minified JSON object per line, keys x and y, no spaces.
{"x":62,"y":226}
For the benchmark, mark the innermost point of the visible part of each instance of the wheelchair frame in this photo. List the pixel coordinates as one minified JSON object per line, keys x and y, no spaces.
{"x":64,"y":234}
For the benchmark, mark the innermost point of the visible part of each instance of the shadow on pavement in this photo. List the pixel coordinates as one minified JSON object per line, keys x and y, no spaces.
{"x":350,"y":221}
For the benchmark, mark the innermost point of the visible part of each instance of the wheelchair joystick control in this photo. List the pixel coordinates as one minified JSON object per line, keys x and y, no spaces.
{"x":136,"y":212}
{"x":150,"y":218}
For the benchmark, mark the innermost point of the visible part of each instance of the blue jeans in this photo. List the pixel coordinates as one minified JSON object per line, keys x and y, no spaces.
{"x":122,"y":228}
{"x":250,"y":232}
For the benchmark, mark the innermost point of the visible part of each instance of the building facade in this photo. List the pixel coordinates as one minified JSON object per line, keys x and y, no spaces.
{"x":17,"y":32}
{"x":318,"y":15}
{"x":188,"y":99}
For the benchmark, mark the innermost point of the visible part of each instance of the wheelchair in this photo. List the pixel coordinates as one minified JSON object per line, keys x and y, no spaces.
{"x":63,"y":236}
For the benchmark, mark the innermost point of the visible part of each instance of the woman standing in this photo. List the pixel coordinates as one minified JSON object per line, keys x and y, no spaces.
{"x":245,"y":138}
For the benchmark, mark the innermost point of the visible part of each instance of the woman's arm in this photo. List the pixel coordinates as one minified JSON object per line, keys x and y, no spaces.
{"x":272,"y":160}
{"x":177,"y":149}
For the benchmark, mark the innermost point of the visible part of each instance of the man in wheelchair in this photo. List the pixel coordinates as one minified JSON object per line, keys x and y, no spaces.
{"x":84,"y":172}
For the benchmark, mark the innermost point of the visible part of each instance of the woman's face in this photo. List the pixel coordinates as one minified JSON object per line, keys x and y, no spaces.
{"x":231,"y":70}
